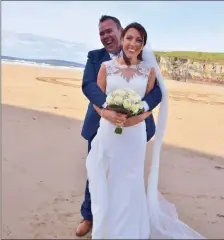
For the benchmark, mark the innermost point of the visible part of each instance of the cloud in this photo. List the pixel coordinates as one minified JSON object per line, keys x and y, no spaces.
{"x":170,"y":25}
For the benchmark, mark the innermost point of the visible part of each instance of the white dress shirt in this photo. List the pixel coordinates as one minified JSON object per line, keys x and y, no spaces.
{"x":145,"y":104}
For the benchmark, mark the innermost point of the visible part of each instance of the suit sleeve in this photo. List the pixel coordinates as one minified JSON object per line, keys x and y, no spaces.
{"x":153,"y":98}
{"x":89,"y":84}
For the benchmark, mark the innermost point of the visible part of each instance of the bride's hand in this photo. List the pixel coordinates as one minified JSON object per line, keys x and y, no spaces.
{"x":133,"y":121}
{"x":136,"y":119}
{"x":114,"y":117}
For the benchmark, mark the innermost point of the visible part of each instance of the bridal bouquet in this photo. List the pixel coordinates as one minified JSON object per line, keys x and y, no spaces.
{"x":125,"y":101}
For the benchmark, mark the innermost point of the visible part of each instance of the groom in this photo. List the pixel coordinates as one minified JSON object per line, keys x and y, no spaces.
{"x":110,"y":35}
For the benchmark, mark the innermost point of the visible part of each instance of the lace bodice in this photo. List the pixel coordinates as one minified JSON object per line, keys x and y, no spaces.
{"x":121,"y":76}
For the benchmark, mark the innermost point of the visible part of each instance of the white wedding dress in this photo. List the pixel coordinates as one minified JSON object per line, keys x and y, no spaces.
{"x":115,"y":167}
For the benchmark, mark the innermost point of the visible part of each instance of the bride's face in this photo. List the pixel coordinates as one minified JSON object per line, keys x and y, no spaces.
{"x":132,"y":43}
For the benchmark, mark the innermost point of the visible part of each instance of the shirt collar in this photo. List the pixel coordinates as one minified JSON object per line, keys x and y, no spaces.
{"x":115,"y":55}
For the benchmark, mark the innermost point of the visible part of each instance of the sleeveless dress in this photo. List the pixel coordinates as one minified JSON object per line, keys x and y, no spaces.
{"x":115,"y":169}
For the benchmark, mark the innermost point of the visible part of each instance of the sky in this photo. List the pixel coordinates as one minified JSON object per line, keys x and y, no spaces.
{"x":171,"y":25}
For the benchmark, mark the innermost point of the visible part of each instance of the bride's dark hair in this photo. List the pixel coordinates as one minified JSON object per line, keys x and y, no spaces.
{"x":143,"y":34}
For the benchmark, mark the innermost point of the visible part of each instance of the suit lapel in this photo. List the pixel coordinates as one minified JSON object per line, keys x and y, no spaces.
{"x":104,"y":56}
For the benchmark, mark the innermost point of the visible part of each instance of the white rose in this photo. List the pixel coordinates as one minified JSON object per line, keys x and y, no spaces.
{"x":135,"y":108}
{"x":118,"y":100}
{"x":127,"y":103}
{"x":109,"y":100}
{"x":138,"y":106}
{"x":134,"y":99}
{"x":119,"y":92}
{"x":122,"y":93}
{"x":141,"y":106}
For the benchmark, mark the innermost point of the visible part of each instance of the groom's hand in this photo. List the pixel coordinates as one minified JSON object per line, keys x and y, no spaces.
{"x":136,"y":119}
{"x":114,"y":117}
{"x":133,"y":121}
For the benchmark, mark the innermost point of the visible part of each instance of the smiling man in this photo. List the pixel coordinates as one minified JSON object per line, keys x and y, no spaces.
{"x":110,"y":35}
{"x":110,"y":31}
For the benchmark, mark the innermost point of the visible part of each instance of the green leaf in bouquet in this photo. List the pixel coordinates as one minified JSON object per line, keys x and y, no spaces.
{"x":140,"y":111}
{"x":120,"y":109}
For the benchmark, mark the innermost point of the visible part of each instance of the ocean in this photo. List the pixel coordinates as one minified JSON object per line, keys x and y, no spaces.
{"x":43,"y":62}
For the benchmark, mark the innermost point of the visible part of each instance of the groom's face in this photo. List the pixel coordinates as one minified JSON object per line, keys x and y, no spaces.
{"x":110,"y":36}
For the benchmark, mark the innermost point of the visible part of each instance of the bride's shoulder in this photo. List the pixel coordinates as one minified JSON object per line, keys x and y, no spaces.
{"x":144,"y":64}
{"x":145,"y":68}
{"x":109,"y":66}
{"x":108,"y":62}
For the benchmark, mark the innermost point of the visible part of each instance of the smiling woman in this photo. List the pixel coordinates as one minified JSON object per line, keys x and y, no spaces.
{"x":133,"y":39}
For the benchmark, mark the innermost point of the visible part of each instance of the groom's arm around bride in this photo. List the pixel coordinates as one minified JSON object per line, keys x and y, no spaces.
{"x":96,"y":97}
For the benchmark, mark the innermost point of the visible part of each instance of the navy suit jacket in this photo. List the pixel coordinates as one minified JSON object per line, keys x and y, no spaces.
{"x":97,"y":97}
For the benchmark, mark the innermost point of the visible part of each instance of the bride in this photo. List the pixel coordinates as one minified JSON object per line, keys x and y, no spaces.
{"x":121,"y":207}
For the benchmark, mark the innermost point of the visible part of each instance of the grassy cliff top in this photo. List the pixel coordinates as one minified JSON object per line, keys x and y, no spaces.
{"x":200,"y":56}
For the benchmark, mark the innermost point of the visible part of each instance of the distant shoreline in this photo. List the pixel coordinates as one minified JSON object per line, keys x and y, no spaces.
{"x":43,"y":62}
{"x":29,"y":64}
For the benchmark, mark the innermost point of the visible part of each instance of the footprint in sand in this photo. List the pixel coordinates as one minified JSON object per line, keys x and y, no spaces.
{"x":6,"y":231}
{"x":55,"y":219}
{"x":218,"y":167}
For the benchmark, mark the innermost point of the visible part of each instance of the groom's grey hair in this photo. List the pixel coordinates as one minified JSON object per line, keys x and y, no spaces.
{"x":107,"y":17}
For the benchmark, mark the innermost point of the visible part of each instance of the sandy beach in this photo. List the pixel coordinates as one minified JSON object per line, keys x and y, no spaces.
{"x":43,"y":153}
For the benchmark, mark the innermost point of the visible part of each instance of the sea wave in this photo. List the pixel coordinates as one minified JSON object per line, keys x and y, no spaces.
{"x":40,"y":64}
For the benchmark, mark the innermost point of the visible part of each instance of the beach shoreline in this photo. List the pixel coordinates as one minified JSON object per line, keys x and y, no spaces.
{"x":30,"y":64}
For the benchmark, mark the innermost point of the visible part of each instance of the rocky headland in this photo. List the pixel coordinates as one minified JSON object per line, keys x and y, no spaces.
{"x":189,"y":69}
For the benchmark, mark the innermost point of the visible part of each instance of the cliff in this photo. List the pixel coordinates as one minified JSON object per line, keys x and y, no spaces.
{"x":186,"y":69}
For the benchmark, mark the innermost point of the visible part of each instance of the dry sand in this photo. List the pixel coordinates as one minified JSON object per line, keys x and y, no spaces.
{"x":43,"y":158}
